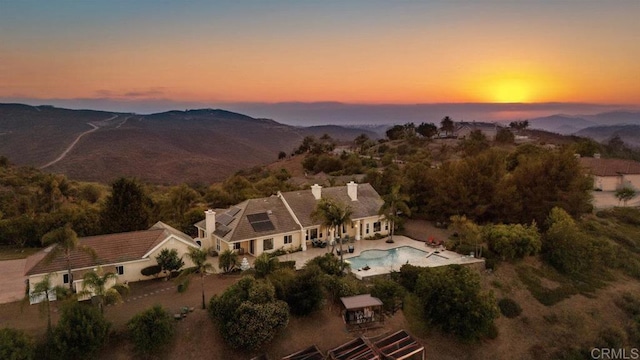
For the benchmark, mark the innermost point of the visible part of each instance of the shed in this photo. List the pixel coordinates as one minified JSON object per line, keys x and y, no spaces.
{"x":362,"y":311}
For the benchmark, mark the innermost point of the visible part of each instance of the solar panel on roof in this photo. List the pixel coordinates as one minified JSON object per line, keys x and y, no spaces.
{"x":233,"y":211}
{"x":222,"y":230}
{"x":260,"y":222}
{"x":258,"y":217}
{"x":261,"y":226}
{"x":224,"y":219}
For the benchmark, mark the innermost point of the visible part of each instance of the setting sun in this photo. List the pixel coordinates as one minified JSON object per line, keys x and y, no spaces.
{"x":511,"y":91}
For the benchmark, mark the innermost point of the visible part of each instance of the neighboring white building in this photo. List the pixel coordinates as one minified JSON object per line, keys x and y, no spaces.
{"x":124,"y":254}
{"x":464,"y":129}
{"x":284,"y":221}
{"x":611,"y":174}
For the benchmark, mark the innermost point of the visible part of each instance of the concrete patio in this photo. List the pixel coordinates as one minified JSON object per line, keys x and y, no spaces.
{"x":444,"y":257}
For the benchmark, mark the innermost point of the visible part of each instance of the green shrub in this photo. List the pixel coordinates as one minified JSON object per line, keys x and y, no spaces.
{"x":611,"y":338}
{"x":290,"y":264}
{"x":152,"y":270}
{"x":248,"y":313}
{"x":509,"y":308}
{"x":328,"y":263}
{"x":389,"y":292}
{"x":16,"y":345}
{"x":81,"y":332}
{"x":151,"y":330}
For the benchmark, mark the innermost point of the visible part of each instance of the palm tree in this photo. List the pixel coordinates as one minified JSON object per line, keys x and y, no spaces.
{"x":66,"y":242}
{"x":227,"y":260}
{"x":95,"y":284}
{"x":200,"y":265}
{"x":394,"y":203}
{"x":265,"y":265}
{"x":333,"y":215}
{"x":44,"y":289}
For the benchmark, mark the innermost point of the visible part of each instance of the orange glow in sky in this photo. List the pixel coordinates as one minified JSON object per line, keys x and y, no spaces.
{"x":357,"y":51}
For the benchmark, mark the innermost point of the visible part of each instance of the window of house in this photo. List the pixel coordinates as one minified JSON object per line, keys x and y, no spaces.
{"x":386,"y":225}
{"x":236,"y":246}
{"x":120,"y":269}
{"x":217,"y":244}
{"x":267,"y":244}
{"x":367,"y":228}
{"x":376,"y":226}
{"x":65,"y":278}
{"x":313,"y":234}
{"x":288,"y":239}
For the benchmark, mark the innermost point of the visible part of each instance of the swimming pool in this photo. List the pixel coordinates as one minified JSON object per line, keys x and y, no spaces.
{"x":391,"y":259}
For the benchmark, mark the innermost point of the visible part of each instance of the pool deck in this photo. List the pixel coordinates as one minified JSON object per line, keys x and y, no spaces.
{"x":445,"y":257}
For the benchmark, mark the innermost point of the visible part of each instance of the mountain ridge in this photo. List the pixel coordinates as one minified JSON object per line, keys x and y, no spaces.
{"x":200,"y":145}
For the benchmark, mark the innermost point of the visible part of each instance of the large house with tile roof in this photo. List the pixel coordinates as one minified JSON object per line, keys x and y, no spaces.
{"x":124,"y":254}
{"x":611,"y":174}
{"x":284,"y":221}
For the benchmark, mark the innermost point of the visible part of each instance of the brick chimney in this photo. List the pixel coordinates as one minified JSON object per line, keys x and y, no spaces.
{"x":316,"y":190}
{"x":352,"y":190}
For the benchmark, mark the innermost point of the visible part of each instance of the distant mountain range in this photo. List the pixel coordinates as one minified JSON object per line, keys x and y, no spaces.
{"x":600,"y":127}
{"x":203,"y":145}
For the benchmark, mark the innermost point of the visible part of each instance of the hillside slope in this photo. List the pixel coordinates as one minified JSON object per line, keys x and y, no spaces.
{"x":171,"y":147}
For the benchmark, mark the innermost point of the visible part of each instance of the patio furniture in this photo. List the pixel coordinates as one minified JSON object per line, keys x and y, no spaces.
{"x":318,"y":243}
{"x":351,"y":249}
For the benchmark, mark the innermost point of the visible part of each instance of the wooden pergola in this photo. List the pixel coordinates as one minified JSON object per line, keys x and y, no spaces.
{"x":397,"y":346}
{"x":358,"y":348}
{"x":310,"y":353}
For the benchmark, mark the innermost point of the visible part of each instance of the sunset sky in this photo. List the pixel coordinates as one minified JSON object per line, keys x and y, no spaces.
{"x":370,"y":52}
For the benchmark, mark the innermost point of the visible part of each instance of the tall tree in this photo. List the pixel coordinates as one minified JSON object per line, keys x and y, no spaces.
{"x":200,"y":265}
{"x":181,"y":198}
{"x":447,"y":125}
{"x":394,"y":204}
{"x":333,"y":215}
{"x":65,"y":242}
{"x":44,"y":289}
{"x":427,"y":130}
{"x":127,"y":208}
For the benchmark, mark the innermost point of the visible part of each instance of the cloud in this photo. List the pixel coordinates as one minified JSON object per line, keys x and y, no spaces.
{"x":132,"y":94}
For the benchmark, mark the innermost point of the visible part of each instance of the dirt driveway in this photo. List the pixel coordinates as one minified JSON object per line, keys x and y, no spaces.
{"x":12,"y":280}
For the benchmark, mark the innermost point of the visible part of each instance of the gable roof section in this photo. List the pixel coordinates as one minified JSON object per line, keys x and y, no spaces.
{"x":113,"y":248}
{"x":610,"y":167}
{"x":360,"y":301}
{"x":303,"y":203}
{"x":272,"y":207}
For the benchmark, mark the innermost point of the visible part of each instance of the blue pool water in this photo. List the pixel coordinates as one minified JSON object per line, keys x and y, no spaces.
{"x":392,"y":258}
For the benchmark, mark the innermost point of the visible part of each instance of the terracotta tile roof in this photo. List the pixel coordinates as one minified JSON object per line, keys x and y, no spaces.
{"x":610,"y":167}
{"x":303,"y":203}
{"x":111,"y":249}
